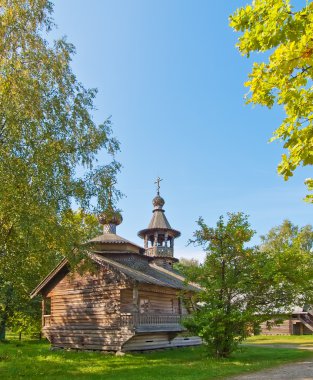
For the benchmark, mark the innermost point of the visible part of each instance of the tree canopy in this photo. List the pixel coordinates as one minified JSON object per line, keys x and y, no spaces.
{"x":243,"y":286}
{"x":49,"y":144}
{"x":289,"y":261}
{"x":284,"y":76}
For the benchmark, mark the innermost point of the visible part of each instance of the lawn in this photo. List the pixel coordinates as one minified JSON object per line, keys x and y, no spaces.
{"x":302,"y":340}
{"x":34,"y":360}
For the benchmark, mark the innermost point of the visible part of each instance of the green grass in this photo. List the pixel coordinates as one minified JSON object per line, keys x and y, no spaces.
{"x":306,"y":340}
{"x":34,"y":360}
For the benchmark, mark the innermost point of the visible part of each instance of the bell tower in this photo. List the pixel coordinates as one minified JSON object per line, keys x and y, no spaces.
{"x":159,"y":236}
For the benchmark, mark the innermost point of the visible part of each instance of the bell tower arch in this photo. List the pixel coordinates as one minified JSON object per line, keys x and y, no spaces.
{"x":159,"y":236}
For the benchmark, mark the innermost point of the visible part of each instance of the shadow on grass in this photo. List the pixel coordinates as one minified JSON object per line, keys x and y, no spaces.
{"x":32,"y":361}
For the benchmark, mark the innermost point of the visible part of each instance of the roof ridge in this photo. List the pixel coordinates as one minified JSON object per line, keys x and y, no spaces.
{"x":120,"y":265}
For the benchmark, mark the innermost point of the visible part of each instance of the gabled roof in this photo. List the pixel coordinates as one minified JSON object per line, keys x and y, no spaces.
{"x":149,"y":273}
{"x":61,"y":266}
{"x":143,"y":272}
{"x":128,"y":271}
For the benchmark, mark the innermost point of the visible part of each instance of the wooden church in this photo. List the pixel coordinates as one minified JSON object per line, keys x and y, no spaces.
{"x":134,"y":300}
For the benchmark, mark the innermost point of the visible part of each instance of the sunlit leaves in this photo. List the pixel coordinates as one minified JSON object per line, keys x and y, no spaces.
{"x":49,"y":144}
{"x":242,"y":286}
{"x":286,"y":76}
{"x":227,"y":278}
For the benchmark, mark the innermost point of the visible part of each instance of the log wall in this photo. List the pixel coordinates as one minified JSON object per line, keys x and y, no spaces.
{"x":85,"y":312}
{"x":158,"y":303}
{"x":288,"y":327}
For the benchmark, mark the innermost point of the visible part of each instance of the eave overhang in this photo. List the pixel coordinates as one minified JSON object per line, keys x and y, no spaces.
{"x":62,"y":265}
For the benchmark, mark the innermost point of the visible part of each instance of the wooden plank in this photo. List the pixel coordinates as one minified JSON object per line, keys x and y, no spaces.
{"x":158,"y":289}
{"x":157,"y":328}
{"x":155,"y":341}
{"x":158,"y":303}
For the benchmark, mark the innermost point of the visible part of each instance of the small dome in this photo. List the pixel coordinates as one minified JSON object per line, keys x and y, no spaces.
{"x":158,"y":201}
{"x":110,"y":217}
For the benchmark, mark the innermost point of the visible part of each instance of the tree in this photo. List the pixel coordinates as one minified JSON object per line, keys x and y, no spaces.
{"x":288,"y":236}
{"x":242,"y":286}
{"x":47,"y":137}
{"x":17,"y":311}
{"x":185,"y":264}
{"x":285,"y":79}
{"x":289,"y":261}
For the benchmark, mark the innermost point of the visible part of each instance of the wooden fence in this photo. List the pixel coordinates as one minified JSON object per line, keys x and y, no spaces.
{"x":136,"y":319}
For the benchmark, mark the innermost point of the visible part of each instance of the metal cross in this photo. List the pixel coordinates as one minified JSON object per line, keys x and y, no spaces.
{"x":157,"y":182}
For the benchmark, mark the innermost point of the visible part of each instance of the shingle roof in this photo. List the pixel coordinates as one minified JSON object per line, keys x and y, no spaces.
{"x":140,"y":270}
{"x":109,"y":238}
{"x":148,"y":273}
{"x":129,"y":271}
{"x":159,"y":220}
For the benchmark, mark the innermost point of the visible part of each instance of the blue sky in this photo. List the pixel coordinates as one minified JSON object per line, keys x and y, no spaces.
{"x":169,"y":74}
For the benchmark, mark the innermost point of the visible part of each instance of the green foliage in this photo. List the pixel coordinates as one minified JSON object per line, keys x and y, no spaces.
{"x":186,"y":264}
{"x":24,"y":269}
{"x":225,"y":277}
{"x":47,"y":138}
{"x":242,"y":286}
{"x":286,"y":77}
{"x":289,"y":261}
{"x":35,"y":361}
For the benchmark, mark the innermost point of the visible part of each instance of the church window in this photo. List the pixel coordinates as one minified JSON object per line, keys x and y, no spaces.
{"x":144,"y":305}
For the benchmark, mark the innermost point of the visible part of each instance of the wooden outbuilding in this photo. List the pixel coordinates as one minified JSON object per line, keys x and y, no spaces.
{"x":299,"y":322}
{"x":134,"y":300}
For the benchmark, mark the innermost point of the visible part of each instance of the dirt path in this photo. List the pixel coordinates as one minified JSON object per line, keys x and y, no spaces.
{"x":295,"y":371}
{"x":302,"y":370}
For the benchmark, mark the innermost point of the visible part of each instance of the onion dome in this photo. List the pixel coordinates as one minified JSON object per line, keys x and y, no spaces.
{"x":158,"y":202}
{"x":110,"y":217}
{"x":109,"y":241}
